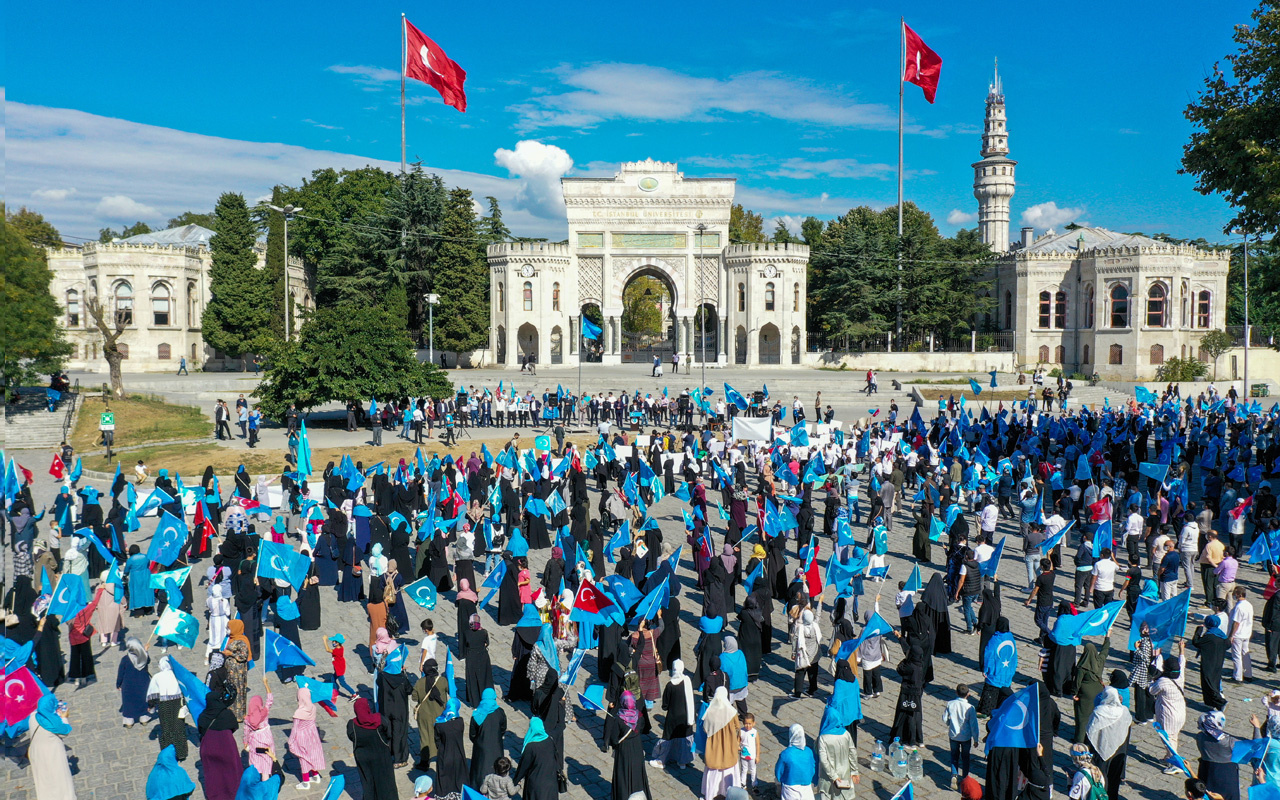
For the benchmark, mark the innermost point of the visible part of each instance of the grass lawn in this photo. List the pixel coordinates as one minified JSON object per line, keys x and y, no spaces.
{"x":139,"y":420}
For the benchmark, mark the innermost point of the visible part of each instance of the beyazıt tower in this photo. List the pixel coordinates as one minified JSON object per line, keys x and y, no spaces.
{"x":993,"y":182}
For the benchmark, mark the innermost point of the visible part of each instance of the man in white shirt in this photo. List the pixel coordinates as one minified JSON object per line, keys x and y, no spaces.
{"x":988,"y":518}
{"x":1189,"y":546}
{"x":1241,"y":631}
{"x":1104,"y":579}
{"x":1133,"y":533}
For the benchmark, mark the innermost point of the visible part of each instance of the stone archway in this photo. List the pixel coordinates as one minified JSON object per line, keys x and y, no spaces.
{"x":770,"y":344}
{"x":501,"y":344}
{"x":648,"y":322}
{"x":740,"y":346}
{"x":527,"y":342}
{"x":706,"y":333}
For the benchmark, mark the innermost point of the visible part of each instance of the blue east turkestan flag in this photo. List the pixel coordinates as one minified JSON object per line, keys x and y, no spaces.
{"x":975,"y":386}
{"x":168,"y":540}
{"x":283,"y":653}
{"x":1174,"y":758}
{"x":157,"y":498}
{"x":1070,"y":629}
{"x":991,"y":565}
{"x":278,"y":560}
{"x":1167,"y":619}
{"x":734,"y":396}
{"x":1016,"y":723}
{"x":423,"y":592}
{"x":69,"y":598}
{"x":193,"y":689}
{"x":590,"y":330}
{"x":178,"y":627}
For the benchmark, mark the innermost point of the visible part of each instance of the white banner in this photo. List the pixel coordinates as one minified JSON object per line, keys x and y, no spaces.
{"x":752,"y":429}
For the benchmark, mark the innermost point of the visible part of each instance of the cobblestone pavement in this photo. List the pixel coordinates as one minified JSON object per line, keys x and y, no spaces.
{"x":112,"y":763}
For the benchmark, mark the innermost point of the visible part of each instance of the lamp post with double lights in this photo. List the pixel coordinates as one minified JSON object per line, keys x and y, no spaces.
{"x":433,"y":300}
{"x":287,"y":211}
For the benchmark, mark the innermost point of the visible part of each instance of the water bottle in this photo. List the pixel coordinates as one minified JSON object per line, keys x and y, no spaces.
{"x":897,"y":759}
{"x":915,"y":765}
{"x":877,"y":757}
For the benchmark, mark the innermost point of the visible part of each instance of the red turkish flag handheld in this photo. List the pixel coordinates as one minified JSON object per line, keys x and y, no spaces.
{"x":57,"y":469}
{"x":426,"y":62}
{"x":591,"y":599}
{"x":922,"y":66}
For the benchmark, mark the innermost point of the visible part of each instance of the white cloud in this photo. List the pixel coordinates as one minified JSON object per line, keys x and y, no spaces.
{"x":831,"y":168}
{"x":52,"y":195}
{"x":119,"y":208}
{"x":958,"y":217}
{"x":171,"y":171}
{"x":602,"y":92}
{"x":367,"y":76}
{"x":322,"y":125}
{"x":539,"y":168}
{"x":1048,"y":215}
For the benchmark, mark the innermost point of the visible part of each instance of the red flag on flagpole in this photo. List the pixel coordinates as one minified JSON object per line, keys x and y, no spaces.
{"x":426,"y":62}
{"x":57,"y":469}
{"x":922,"y":66}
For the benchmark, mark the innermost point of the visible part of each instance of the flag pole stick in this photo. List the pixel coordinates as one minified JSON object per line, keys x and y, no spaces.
{"x":404,"y":65}
{"x":902,"y":66}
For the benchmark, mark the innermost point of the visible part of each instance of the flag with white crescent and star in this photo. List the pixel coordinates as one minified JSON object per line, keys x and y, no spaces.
{"x":425,"y":61}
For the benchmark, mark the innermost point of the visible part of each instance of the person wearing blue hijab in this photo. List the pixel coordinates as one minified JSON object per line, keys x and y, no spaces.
{"x":837,"y":758}
{"x":537,"y":768}
{"x":167,"y":780}
{"x":487,"y":729}
{"x":733,"y":663}
{"x":451,"y":756}
{"x":1000,"y":663}
{"x":796,"y":767}
{"x":254,"y":787}
{"x":50,"y":771}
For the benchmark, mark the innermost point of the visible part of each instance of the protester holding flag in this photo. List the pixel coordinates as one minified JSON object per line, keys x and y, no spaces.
{"x":164,"y":697}
{"x":1108,"y":737}
{"x":46,"y":754}
{"x":1171,"y":705}
{"x":1088,"y":682}
{"x":1220,"y":774}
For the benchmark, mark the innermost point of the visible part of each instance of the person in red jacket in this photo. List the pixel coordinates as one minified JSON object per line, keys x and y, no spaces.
{"x":80,"y":632}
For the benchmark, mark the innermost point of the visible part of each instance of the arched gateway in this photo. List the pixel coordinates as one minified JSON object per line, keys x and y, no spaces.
{"x":649,"y":227}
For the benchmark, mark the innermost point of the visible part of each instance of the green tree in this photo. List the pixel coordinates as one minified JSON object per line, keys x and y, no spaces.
{"x":642,"y":303}
{"x":33,"y":228}
{"x":274,"y":268}
{"x":1234,"y":149}
{"x":347,"y":353}
{"x":811,"y":230}
{"x":492,"y":228}
{"x":853,"y":288}
{"x":34,"y":343}
{"x":461,"y":278}
{"x":106,"y":235}
{"x":408,"y":238}
{"x":782,"y":235}
{"x":745,"y":227}
{"x":193,"y":218}
{"x":1181,"y":369}
{"x":1213,"y":344}
{"x":1264,"y":287}
{"x":238,"y":317}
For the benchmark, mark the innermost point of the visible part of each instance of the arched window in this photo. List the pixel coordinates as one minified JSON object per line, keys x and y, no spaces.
{"x":1157,"y":306}
{"x":768,"y":297}
{"x":1043,"y":357}
{"x":193,"y":352}
{"x":124,"y":303}
{"x":1008,"y":310}
{"x":502,"y":299}
{"x":1060,"y":310}
{"x":163,"y":352}
{"x":1157,"y":354}
{"x":1088,"y":307}
{"x":742,"y":297}
{"x":1059,"y":353}
{"x":123,"y":348}
{"x":555,"y":296}
{"x":1086,"y":355}
{"x":1046,"y":310}
{"x":73,"y":308}
{"x":528,"y":296}
{"x":1203,"y":309}
{"x":1116,"y":356}
{"x":161,"y":305}
{"x":193,"y":308}
{"x":1119,"y":307}
{"x":795,"y":298}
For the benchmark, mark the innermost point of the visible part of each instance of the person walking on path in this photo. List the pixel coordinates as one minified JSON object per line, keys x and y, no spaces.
{"x":182,"y":366}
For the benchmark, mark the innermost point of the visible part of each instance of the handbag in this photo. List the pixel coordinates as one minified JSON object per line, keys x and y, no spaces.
{"x":562,"y":782}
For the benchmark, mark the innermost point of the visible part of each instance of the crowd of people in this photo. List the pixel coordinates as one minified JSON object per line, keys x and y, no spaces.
{"x":774,"y":565}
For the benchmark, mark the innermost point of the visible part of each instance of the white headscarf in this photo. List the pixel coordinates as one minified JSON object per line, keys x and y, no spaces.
{"x":1109,"y":726}
{"x":164,"y":684}
{"x":796,"y":737}
{"x":678,"y":678}
{"x":719,"y":713}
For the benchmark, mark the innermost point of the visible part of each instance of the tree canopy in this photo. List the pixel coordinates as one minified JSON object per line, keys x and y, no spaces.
{"x":745,"y":226}
{"x":238,"y":317}
{"x":34,"y":343}
{"x":347,"y":353}
{"x":107,"y":235}
{"x":1235,"y":147}
{"x":461,"y":277}
{"x":1264,"y":287}
{"x":33,"y":227}
{"x":192,"y":218}
{"x":641,"y":312}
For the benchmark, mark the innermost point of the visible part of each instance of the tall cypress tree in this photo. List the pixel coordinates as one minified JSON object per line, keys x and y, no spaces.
{"x":274,"y":270}
{"x":238,"y":317}
{"x":461,"y":278}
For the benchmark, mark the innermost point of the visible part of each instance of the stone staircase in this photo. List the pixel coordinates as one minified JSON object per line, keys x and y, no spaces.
{"x":29,"y":425}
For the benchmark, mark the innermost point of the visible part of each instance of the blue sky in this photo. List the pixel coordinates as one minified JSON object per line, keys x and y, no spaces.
{"x":152,"y":110}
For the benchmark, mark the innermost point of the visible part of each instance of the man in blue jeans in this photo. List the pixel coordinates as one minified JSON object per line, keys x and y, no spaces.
{"x":968,"y":588}
{"x":1028,"y":512}
{"x":1042,"y":594}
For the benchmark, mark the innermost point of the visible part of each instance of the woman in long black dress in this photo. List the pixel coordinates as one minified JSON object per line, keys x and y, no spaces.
{"x":987,"y":616}
{"x":438,"y":564}
{"x":549,"y":706}
{"x":488,"y":726}
{"x":509,"y":607}
{"x":629,"y":767}
{"x":908,"y":716}
{"x":393,"y":705}
{"x":465,"y":602}
{"x":934,"y":603}
{"x":351,"y":587}
{"x":537,"y":768}
{"x":475,"y":651}
{"x":326,"y":558}
{"x":451,"y":755}
{"x":751,"y":635}
{"x":669,"y":637}
{"x":48,"y":652}
{"x":309,"y":600}
{"x":372,"y":748}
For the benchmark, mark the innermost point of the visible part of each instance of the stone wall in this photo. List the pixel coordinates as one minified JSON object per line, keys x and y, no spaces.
{"x":914,"y":362}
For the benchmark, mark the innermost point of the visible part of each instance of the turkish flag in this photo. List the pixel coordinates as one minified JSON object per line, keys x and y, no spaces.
{"x":28,"y":478}
{"x":591,"y":599}
{"x":57,"y":469}
{"x":426,"y":62}
{"x":21,"y":695}
{"x":923,"y":66}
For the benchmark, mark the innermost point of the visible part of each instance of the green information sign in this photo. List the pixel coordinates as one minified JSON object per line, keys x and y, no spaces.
{"x":107,"y":420}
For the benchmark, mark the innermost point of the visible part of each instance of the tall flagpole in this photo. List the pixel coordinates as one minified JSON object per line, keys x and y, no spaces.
{"x":902,"y":67}
{"x":405,"y":68}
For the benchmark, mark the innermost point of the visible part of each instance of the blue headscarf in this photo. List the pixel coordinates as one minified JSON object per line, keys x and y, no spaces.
{"x":451,"y":709}
{"x":536,"y":733}
{"x":47,"y":716}
{"x":287,"y":609}
{"x":518,"y":545}
{"x":168,"y":780}
{"x":830,"y":722}
{"x":395,"y":661}
{"x":547,"y":646}
{"x":488,"y":705}
{"x":254,"y":787}
{"x":530,"y":618}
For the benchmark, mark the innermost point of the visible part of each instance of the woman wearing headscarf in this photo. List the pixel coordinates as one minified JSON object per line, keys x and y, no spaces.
{"x":871,"y":655}
{"x":720,"y":723}
{"x":475,"y":651}
{"x":1211,"y":642}
{"x":908,"y":714}
{"x":308,"y":601}
{"x":846,"y":698}
{"x":837,"y":758}
{"x":733,"y":663}
{"x":921,"y":544}
{"x":509,"y":607}
{"x":351,"y":586}
{"x":1060,"y":660}
{"x":1141,"y":659}
{"x":644,"y":644}
{"x":1088,"y":680}
{"x":1108,"y":738}
{"x":165,"y":695}
{"x":109,"y":611}
{"x":46,"y":754}
{"x":451,"y":756}
{"x":797,"y":767}
{"x":553,"y":573}
{"x":217,"y":604}
{"x":393,"y":690}
{"x":47,"y":647}
{"x":249,"y":607}
{"x":918,"y":632}
{"x":137,"y":575}
{"x":626,"y":739}
{"x":1171,"y":704}
{"x":257,"y":734}
{"x":751,"y":635}
{"x":669,"y":635}
{"x":167,"y":780}
{"x":676,"y":745}
{"x":220,"y":766}
{"x":430,"y":694}
{"x":372,"y":749}
{"x":806,"y":644}
{"x":1001,"y":659}
{"x":466,"y":603}
{"x":536,"y":770}
{"x":133,"y":681}
{"x":934,"y":604}
{"x":1220,"y":774}
{"x":716,"y":588}
{"x":376,"y":608}
{"x":304,"y":741}
{"x":987,"y":616}
{"x":486,"y":731}
{"x":237,"y":666}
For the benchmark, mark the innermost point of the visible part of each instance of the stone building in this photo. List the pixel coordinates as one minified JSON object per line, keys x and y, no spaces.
{"x":648,"y":220}
{"x":1089,"y":299}
{"x":160,"y":282}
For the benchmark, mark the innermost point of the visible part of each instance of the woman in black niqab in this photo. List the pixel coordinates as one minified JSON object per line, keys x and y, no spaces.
{"x":987,"y":616}
{"x":751,"y":635}
{"x":934,"y":605}
{"x":908,"y":713}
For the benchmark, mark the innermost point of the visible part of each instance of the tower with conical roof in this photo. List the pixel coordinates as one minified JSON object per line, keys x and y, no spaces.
{"x":993,"y":181}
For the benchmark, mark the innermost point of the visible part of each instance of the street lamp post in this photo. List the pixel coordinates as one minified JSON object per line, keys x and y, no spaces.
{"x":702,"y":311}
{"x":433,"y":300}
{"x":287,"y":211}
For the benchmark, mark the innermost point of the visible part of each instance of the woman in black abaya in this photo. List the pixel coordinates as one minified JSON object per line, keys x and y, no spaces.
{"x":249,"y":607}
{"x":751,"y":635}
{"x":908,"y":715}
{"x":918,"y":632}
{"x":438,"y":564}
{"x":488,"y":727}
{"x":537,"y":769}
{"x":522,"y":644}
{"x":451,"y":756}
{"x":475,"y":651}
{"x":393,"y":705}
{"x":372,"y":748}
{"x":715,"y":589}
{"x":549,"y":707}
{"x":629,"y":767}
{"x":1060,"y":663}
{"x":934,"y":605}
{"x":351,"y":588}
{"x":987,"y":616}
{"x":309,"y":601}
{"x":669,"y":636}
{"x":509,"y":608}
